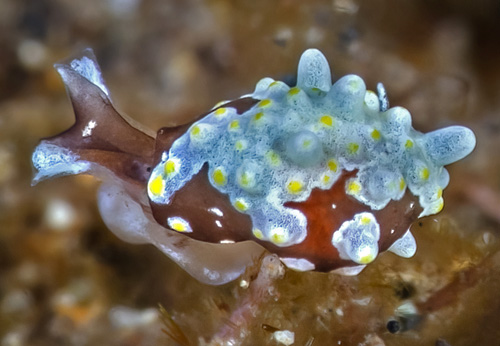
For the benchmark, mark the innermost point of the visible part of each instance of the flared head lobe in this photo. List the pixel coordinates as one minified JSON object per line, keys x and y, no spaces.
{"x":101,"y":141}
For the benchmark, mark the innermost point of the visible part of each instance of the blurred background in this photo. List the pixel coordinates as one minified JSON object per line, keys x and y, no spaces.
{"x":66,"y":280}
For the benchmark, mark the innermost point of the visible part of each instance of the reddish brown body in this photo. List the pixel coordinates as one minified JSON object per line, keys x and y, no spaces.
{"x":332,"y":227}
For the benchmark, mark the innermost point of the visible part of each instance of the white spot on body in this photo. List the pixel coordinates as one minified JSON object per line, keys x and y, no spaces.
{"x":87,"y":131}
{"x":226,"y":241}
{"x":216,"y":211}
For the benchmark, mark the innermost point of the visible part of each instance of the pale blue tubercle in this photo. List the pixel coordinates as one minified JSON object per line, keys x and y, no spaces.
{"x":297,"y":139}
{"x":357,"y":239}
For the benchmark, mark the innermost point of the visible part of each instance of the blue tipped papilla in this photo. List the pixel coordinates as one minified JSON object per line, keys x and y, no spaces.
{"x":313,"y":73}
{"x":448,"y":145}
{"x":347,"y":96}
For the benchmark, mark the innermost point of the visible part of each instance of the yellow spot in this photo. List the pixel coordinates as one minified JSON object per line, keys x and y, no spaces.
{"x":257,"y":116}
{"x":245,"y":179}
{"x":353,"y":85}
{"x":234,"y":125}
{"x":332,"y":165}
{"x":241,"y":205}
{"x":195,"y":130}
{"x":278,"y":236}
{"x":295,"y":187}
{"x":219,"y":177}
{"x":424,"y":173}
{"x":376,"y":134}
{"x":293,"y":91}
{"x":273,"y":158}
{"x":274,"y":84}
{"x":317,"y":91}
{"x":352,"y":148}
{"x":326,"y":120}
{"x":156,"y":185}
{"x":409,"y":144}
{"x":365,"y":220}
{"x":265,"y":103}
{"x":439,"y":193}
{"x":240,"y":145}
{"x":353,"y":187}
{"x":178,"y":226}
{"x":170,"y":167}
{"x":220,"y":112}
{"x":258,"y":233}
{"x":440,"y":205}
{"x":306,"y":143}
{"x":366,"y":259}
{"x":326,"y":179}
{"x":402,"y":184}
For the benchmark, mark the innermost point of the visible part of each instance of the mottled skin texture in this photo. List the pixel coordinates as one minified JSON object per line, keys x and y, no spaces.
{"x":193,"y":203}
{"x":129,"y":154}
{"x":323,"y":221}
{"x":195,"y":200}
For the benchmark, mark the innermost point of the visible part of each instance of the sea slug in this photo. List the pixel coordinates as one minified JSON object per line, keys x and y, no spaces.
{"x":324,"y":175}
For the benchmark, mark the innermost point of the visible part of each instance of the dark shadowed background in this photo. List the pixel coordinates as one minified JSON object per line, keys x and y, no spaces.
{"x":66,"y":280}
